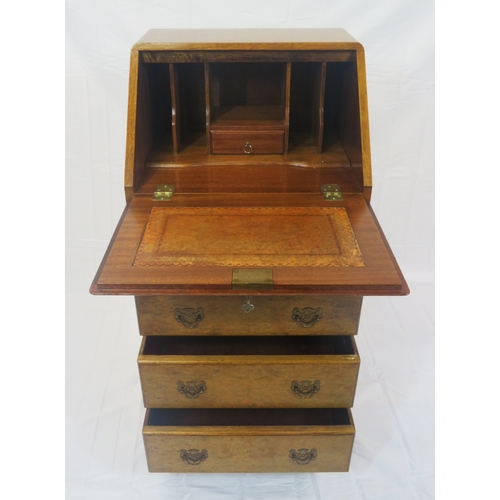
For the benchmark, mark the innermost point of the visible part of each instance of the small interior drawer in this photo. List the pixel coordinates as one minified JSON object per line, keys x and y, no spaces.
{"x":248,"y":440}
{"x":246,"y":372}
{"x":252,"y":315}
{"x":247,"y":142}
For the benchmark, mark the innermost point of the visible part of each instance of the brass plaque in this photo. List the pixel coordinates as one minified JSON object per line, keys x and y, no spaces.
{"x":254,"y":279}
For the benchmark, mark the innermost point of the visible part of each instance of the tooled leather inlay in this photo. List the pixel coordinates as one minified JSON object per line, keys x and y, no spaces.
{"x":246,"y":237}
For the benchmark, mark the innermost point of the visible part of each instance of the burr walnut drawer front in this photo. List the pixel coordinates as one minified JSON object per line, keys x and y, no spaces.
{"x":244,"y":440}
{"x":240,"y":371}
{"x":252,"y":315}
{"x":248,"y":142}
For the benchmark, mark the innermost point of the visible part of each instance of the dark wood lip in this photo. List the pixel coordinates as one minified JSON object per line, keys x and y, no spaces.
{"x":405,"y":290}
{"x":354,"y":290}
{"x":94,"y":288}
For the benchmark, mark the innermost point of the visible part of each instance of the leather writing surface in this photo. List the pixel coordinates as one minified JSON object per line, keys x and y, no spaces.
{"x":239,"y":237}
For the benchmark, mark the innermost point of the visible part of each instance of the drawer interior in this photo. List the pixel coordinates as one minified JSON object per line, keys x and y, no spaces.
{"x":248,"y":345}
{"x":246,"y":417}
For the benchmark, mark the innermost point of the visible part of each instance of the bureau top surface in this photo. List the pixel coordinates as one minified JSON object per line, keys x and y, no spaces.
{"x":248,"y":39}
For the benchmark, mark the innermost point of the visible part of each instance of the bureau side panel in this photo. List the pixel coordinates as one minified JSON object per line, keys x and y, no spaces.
{"x":226,"y":315}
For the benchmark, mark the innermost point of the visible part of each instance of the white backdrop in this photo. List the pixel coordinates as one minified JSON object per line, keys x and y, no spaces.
{"x":393,"y":456}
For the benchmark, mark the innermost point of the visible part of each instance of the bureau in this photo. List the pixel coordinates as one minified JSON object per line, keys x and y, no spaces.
{"x":249,"y":242}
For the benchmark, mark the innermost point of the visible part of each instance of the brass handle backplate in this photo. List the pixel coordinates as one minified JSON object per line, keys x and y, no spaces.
{"x":308,"y":316}
{"x":194,"y":457}
{"x":305,"y":389}
{"x":192,"y":389}
{"x":303,"y":456}
{"x":188,"y":316}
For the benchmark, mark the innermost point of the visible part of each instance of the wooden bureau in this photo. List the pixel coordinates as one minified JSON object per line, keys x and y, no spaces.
{"x":248,"y":241}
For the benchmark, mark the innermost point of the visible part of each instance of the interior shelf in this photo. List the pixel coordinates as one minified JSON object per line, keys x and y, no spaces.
{"x":247,"y":114}
{"x":238,"y":117}
{"x":302,"y":151}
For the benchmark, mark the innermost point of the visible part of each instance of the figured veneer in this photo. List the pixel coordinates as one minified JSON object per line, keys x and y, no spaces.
{"x":249,"y":440}
{"x":379,"y":275}
{"x":225,"y":315}
{"x":246,"y":126}
{"x":249,"y":372}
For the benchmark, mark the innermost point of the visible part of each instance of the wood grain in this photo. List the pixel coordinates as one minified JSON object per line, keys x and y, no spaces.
{"x":211,"y":56}
{"x":248,"y":381}
{"x":249,"y":142}
{"x":176,"y":107}
{"x":139,"y":133}
{"x":318,"y":107}
{"x":247,"y":39}
{"x":188,"y":116}
{"x":249,"y":448}
{"x":286,"y":104}
{"x":379,"y":276}
{"x":284,"y":365}
{"x":248,"y":117}
{"x":270,"y":316}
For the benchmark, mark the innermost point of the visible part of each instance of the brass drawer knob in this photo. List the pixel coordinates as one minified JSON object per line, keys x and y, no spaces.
{"x":305,"y":389}
{"x":303,"y":456}
{"x":191,"y":389}
{"x":194,"y":457}
{"x":188,"y":316}
{"x":308,"y":316}
{"x":247,"y":148}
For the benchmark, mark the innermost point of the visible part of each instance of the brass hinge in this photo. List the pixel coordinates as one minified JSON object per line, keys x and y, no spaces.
{"x":163,"y":192}
{"x":331,"y":192}
{"x":253,"y":279}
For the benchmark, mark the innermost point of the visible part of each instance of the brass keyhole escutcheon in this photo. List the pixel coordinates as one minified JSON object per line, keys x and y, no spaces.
{"x":247,"y":307}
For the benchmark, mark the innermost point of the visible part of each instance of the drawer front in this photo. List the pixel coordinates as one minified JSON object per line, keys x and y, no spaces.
{"x":249,"y":381}
{"x":239,"y":315}
{"x":240,"y":142}
{"x":248,"y":448}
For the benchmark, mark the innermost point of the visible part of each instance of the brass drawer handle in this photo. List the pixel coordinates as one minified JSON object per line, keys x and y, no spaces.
{"x":191,"y":389}
{"x":194,"y":457}
{"x":247,"y":148}
{"x":188,"y":316}
{"x":303,"y":456}
{"x":308,"y":316}
{"x":305,"y":389}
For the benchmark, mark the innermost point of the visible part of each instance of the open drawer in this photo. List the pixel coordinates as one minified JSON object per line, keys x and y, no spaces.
{"x":252,"y":372}
{"x":244,"y":440}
